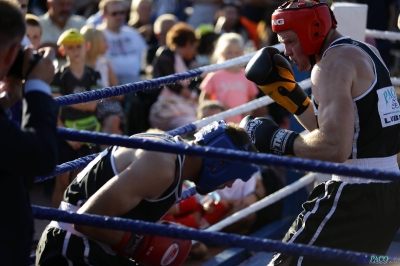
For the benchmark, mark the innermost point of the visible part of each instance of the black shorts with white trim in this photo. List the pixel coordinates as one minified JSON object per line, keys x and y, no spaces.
{"x":356,"y":217}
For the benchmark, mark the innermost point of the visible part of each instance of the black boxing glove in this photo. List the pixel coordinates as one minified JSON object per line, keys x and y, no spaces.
{"x":273,"y":74}
{"x":268,"y":137}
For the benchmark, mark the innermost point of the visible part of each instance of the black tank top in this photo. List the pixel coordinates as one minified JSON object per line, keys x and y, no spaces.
{"x":376,"y":111}
{"x":102,"y":169}
{"x":66,"y":83}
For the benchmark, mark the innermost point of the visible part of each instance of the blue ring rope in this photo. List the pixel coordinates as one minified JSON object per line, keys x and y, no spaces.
{"x":139,"y":86}
{"x":242,"y":156}
{"x":68,"y":167}
{"x":216,"y":238}
{"x":125,"y":89}
{"x":219,"y":238}
{"x":83,"y":161}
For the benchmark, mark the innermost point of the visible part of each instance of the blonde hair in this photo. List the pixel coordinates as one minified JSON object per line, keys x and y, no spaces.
{"x":223,"y":42}
{"x":92,"y":35}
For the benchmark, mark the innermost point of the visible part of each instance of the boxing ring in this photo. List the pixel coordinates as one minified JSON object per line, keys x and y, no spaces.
{"x":211,"y":235}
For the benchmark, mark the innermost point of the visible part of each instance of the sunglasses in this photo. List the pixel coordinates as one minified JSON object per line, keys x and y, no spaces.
{"x":116,"y":13}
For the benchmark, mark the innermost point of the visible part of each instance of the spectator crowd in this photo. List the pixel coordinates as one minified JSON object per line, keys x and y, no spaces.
{"x":114,"y":42}
{"x":128,"y":41}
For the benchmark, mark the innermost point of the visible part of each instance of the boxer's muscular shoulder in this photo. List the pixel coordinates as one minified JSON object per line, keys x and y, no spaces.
{"x":355,"y":64}
{"x":331,"y":77}
{"x":346,"y":56}
{"x":330,"y":69}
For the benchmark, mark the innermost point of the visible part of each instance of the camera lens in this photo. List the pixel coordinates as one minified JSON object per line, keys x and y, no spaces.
{"x":16,"y":68}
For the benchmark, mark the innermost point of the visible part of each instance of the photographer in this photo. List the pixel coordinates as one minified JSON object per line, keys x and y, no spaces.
{"x":27,"y":151}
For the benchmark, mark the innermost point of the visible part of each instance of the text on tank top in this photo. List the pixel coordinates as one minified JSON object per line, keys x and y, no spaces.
{"x":376,"y":111}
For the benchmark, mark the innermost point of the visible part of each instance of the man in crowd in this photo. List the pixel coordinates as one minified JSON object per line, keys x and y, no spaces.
{"x":28,"y":150}
{"x":125,"y":45}
{"x":57,"y":20}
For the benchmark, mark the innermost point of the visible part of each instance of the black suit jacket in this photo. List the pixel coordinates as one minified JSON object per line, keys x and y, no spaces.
{"x":24,"y":153}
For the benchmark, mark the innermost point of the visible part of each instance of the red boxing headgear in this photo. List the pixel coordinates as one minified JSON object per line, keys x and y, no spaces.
{"x":311,"y":23}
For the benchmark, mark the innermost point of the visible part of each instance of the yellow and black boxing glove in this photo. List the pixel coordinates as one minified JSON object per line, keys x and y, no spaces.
{"x":273,"y":74}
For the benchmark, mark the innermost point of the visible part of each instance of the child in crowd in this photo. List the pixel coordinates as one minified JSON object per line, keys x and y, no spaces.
{"x":95,"y":55}
{"x":209,"y":108}
{"x":207,"y":40}
{"x":109,"y":112}
{"x":74,"y":77}
{"x":33,"y":30}
{"x":229,"y":86}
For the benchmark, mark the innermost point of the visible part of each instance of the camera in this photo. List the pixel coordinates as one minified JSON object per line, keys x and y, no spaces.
{"x":16,"y":68}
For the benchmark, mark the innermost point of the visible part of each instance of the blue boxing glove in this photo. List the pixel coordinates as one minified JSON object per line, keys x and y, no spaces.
{"x":268,"y":137}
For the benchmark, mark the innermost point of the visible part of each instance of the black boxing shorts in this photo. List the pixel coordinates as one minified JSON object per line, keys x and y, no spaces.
{"x":357,"y":217}
{"x":62,"y":248}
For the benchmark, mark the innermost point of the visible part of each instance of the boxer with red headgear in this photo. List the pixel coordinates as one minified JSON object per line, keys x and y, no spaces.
{"x":271,"y":71}
{"x":141,"y":185}
{"x":353,"y":118}
{"x":311,"y":24}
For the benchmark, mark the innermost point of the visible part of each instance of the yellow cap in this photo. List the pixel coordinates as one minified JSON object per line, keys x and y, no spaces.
{"x":70,"y":37}
{"x":204,"y":29}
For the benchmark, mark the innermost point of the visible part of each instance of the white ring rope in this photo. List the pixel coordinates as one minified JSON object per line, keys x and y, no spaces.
{"x":242,"y":60}
{"x":306,"y":84}
{"x":395,"y":81}
{"x":252,"y":105}
{"x":272,"y":198}
{"x":238,"y":61}
{"x":265,"y":100}
{"x":388,"y":35}
{"x":262,"y":101}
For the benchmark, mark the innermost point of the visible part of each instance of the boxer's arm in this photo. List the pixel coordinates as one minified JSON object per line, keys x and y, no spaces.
{"x":308,"y":119}
{"x":332,"y":141}
{"x":122,"y":193}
